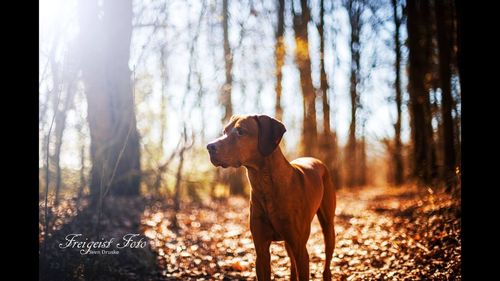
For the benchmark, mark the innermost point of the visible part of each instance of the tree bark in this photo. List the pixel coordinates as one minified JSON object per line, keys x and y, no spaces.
{"x":323,"y":78}
{"x":443,"y":21}
{"x":59,"y":133}
{"x":397,"y":155}
{"x":431,"y":83}
{"x":354,"y":9}
{"x":362,"y":172}
{"x":232,"y":176}
{"x":279,"y":54}
{"x":105,"y":49}
{"x":460,"y":44}
{"x":423,"y":162}
{"x":163,"y":118}
{"x":303,"y":61}
{"x":329,"y":140}
{"x":228,"y":63}
{"x":83,"y":181}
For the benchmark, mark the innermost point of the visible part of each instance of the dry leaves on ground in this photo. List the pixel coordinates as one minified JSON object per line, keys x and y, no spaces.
{"x":382,"y":234}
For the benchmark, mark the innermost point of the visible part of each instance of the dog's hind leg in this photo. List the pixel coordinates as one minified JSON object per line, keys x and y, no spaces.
{"x":326,"y":216}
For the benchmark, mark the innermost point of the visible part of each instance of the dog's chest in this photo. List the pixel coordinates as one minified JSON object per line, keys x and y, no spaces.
{"x":264,"y":191}
{"x":269,"y":218}
{"x":266,"y":197}
{"x":265,"y":209}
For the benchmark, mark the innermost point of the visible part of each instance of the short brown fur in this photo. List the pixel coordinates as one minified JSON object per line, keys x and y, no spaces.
{"x":285,"y":196}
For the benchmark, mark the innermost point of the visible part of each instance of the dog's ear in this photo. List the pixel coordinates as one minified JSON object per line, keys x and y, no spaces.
{"x":270,"y":133}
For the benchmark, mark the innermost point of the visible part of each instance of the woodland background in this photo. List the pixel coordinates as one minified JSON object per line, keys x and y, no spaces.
{"x":130,"y":93}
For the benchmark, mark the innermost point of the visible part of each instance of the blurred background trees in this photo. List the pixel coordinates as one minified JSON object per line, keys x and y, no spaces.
{"x":104,"y":42}
{"x":131,"y":91}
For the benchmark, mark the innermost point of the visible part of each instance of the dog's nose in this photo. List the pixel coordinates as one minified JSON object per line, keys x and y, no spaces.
{"x":211,"y":147}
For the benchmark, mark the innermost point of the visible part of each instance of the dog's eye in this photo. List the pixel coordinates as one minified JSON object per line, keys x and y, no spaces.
{"x":239,"y":131}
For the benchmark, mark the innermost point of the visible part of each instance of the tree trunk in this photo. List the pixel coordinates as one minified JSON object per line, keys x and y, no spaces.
{"x":83,"y":181}
{"x":431,"y":83}
{"x":60,"y":122}
{"x":460,"y":36}
{"x":232,"y":176}
{"x":354,"y":9}
{"x":443,"y":21}
{"x":362,"y":171}
{"x":323,"y":78}
{"x":335,"y":170}
{"x":105,"y":47}
{"x":163,"y":120}
{"x":59,"y":133}
{"x":397,"y":155}
{"x":329,"y":140}
{"x":228,"y":63}
{"x":177,"y":197}
{"x":423,"y":161}
{"x":279,"y":53}
{"x":303,"y":61}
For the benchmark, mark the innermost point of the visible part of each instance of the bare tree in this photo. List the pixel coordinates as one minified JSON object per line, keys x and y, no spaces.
{"x":177,"y":197}
{"x":60,"y":122}
{"x":163,"y":120}
{"x":233,"y":176}
{"x":83,"y":178}
{"x":362,"y":178}
{"x":228,"y":62}
{"x":444,"y":30}
{"x":279,"y":54}
{"x":329,"y":145}
{"x":397,"y":153}
{"x":47,"y":176}
{"x":105,"y":51}
{"x":80,"y":127}
{"x":459,"y":38}
{"x":302,"y":59}
{"x":418,"y":43}
{"x":355,"y":9}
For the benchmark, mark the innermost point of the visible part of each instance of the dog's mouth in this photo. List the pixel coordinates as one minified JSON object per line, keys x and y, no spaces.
{"x":216,"y":162}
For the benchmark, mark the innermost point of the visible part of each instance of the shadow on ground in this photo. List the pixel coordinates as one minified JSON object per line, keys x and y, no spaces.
{"x":120,"y":216}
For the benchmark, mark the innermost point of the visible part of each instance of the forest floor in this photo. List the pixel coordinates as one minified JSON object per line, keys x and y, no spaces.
{"x":382,"y":234}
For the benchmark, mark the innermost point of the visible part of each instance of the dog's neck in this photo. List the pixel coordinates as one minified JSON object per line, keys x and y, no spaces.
{"x":269,"y":171}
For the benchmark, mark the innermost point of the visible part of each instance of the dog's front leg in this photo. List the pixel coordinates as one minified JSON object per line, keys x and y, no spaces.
{"x":262,"y":237}
{"x":263,"y":260}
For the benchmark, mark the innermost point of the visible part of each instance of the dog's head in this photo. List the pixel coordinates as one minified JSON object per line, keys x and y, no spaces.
{"x":246,"y":139}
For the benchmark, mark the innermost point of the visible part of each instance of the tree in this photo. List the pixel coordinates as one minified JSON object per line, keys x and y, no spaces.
{"x":419,"y":45}
{"x":234,"y":177}
{"x":397,"y":153}
{"x":279,"y":54}
{"x":163,"y":120}
{"x":60,"y":120}
{"x":66,"y":82}
{"x":83,"y":180}
{"x":329,"y":145}
{"x":444,"y":30}
{"x":303,"y":61}
{"x":355,"y":9}
{"x":460,"y":42}
{"x":362,"y":177}
{"x":105,"y":37}
{"x":178,"y":176}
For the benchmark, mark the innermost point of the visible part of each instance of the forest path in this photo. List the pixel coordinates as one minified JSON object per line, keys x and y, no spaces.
{"x":382,"y":234}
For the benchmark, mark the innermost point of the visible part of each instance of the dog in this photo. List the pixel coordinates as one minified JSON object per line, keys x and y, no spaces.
{"x":285,"y":196}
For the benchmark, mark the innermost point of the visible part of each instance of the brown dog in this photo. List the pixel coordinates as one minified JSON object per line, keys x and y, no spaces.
{"x":285,"y":195}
